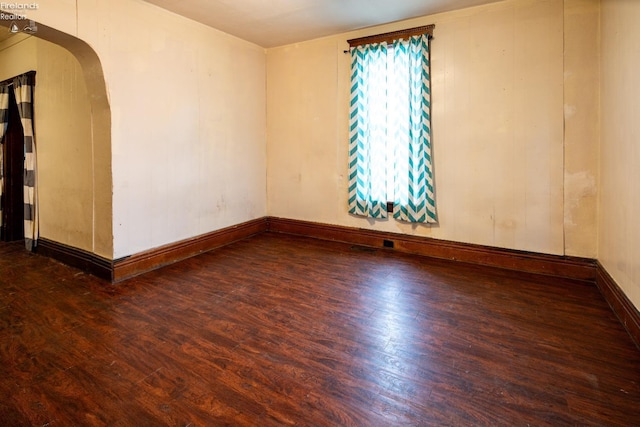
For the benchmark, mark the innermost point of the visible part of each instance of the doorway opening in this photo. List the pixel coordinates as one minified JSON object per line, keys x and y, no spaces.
{"x":86,"y":221}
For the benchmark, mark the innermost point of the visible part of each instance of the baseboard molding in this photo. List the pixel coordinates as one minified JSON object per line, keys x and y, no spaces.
{"x":125,"y":268}
{"x":623,"y":308}
{"x":74,"y":257}
{"x":553,"y":265}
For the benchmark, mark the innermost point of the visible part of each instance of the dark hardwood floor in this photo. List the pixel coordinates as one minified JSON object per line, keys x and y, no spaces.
{"x":279,"y":330}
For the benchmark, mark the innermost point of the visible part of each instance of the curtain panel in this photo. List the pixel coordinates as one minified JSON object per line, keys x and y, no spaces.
{"x":414,"y":199}
{"x":390,"y":130}
{"x":367,"y":131}
{"x":23,"y":87}
{"x":4,"y":121}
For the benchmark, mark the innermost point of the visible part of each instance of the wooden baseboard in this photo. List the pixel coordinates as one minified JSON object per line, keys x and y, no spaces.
{"x":143,"y":262}
{"x":553,"y":265}
{"x":123,"y":268}
{"x":627,"y":313}
{"x":559,"y":266}
{"x":78,"y":258}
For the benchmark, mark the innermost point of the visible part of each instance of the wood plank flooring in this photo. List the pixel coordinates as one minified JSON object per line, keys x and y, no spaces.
{"x":278,"y":330}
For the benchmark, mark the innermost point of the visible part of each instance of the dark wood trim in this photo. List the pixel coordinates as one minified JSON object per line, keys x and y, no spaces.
{"x":552,"y":265}
{"x":627,"y":313}
{"x":583,"y":269}
{"x":78,"y":258}
{"x":392,"y":36}
{"x":143,"y":262}
{"x":124,"y":268}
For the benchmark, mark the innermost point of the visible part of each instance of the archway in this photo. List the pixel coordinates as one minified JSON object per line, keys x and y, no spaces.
{"x":99,"y":225}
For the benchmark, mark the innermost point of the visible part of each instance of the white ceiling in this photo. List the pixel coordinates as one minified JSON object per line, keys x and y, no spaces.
{"x":271,"y":23}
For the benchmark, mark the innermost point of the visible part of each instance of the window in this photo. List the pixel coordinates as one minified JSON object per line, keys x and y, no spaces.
{"x":390,"y":127}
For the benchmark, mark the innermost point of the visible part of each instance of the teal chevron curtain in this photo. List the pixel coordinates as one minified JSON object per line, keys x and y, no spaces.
{"x":368,"y":133}
{"x":390,"y":131}
{"x":413,"y":199}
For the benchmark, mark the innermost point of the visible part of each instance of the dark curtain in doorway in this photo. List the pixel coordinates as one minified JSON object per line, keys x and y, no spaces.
{"x":23,"y":88}
{"x":4,"y":120}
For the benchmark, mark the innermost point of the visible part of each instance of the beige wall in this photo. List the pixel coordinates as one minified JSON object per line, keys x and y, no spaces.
{"x":65,"y":163}
{"x":17,"y":56}
{"x":63,"y":137}
{"x":581,"y":125}
{"x":522,"y":150}
{"x":619,"y":202}
{"x":188,"y":119}
{"x":498,"y":112}
{"x":509,"y":178}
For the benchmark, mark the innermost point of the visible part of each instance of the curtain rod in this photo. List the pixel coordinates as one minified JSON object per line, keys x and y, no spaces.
{"x":394,"y":35}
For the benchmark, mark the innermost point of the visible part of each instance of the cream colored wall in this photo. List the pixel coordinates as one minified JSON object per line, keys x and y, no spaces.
{"x":497,"y":82}
{"x":619,"y":201}
{"x":506,"y":77}
{"x":63,"y":137}
{"x":65,"y":165}
{"x":188,"y":119}
{"x":509,"y":178}
{"x":188,"y":106}
{"x":581,"y":125}
{"x":17,"y":56}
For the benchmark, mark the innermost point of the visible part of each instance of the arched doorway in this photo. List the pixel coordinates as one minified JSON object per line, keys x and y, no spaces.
{"x":95,"y":197}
